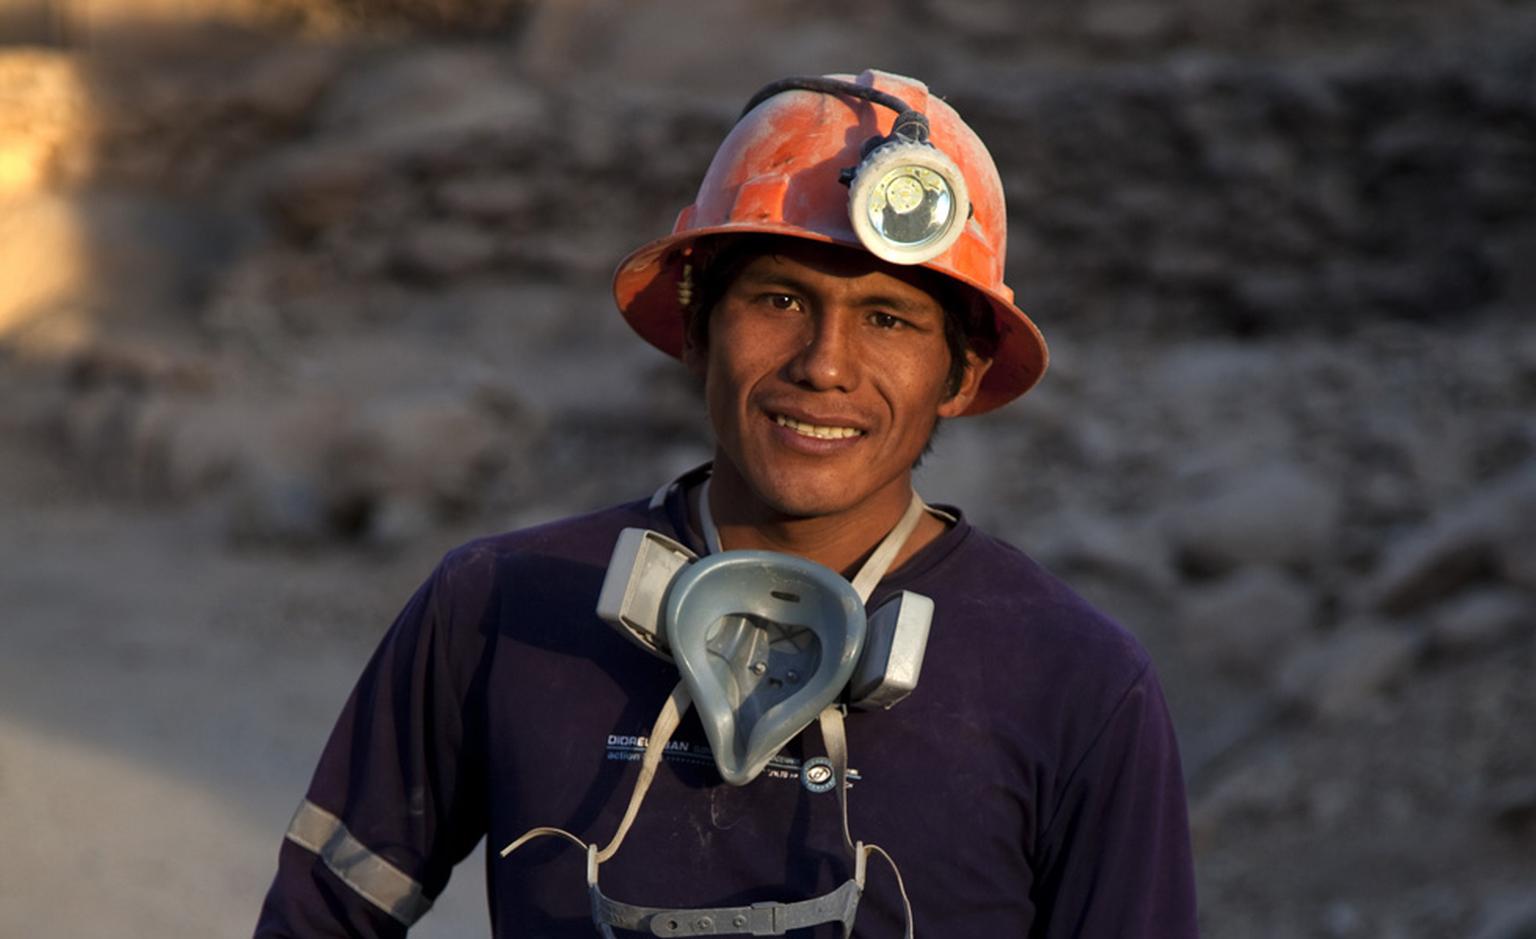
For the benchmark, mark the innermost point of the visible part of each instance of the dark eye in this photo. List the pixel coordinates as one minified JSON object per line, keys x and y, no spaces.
{"x":885,"y":320}
{"x":782,"y":301}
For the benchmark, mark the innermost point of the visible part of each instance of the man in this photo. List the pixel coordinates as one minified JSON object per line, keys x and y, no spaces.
{"x":837,"y":287}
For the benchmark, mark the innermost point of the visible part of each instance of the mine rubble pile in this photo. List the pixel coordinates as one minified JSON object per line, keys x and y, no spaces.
{"x":331,"y":295}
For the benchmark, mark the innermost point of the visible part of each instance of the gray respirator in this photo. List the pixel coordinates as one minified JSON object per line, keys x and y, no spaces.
{"x":764,"y":641}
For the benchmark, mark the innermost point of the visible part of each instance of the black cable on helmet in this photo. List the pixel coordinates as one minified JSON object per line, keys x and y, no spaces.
{"x":911,"y":124}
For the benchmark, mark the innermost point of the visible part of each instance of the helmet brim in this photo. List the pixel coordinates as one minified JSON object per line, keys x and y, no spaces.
{"x":645,"y":288}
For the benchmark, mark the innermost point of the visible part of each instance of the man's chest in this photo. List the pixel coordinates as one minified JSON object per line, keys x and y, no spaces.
{"x":565,"y":741}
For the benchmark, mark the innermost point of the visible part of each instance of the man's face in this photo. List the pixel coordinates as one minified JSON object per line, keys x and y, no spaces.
{"x":825,"y":373}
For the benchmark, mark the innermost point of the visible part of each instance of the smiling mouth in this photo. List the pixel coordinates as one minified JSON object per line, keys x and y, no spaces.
{"x":818,"y":431}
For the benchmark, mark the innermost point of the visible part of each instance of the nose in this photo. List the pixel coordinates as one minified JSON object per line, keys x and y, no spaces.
{"x":828,"y":361}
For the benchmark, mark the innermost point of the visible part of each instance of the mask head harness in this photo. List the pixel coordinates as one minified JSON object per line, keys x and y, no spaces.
{"x":765,"y":643}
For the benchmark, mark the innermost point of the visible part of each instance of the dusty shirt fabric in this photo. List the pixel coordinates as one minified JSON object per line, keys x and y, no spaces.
{"x":1030,"y":786}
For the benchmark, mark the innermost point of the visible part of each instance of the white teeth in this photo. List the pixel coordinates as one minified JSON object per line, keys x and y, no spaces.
{"x":815,"y":430}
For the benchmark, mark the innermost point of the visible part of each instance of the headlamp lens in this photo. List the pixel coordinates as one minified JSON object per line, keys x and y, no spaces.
{"x":910,"y":206}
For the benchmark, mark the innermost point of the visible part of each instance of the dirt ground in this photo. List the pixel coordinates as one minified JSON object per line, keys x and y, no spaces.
{"x":161,"y":706}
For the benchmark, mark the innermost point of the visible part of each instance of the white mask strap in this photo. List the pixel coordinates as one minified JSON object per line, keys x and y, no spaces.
{"x":707,"y":521}
{"x":661,"y":732}
{"x":874,"y":569}
{"x":835,"y":737}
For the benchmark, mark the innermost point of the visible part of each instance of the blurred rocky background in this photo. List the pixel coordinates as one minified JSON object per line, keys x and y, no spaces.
{"x":295,"y":294}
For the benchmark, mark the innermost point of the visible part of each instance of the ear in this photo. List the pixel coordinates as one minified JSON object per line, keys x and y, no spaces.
{"x":970,"y":383}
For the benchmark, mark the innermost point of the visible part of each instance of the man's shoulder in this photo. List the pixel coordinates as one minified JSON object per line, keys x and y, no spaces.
{"x":1027,"y":610}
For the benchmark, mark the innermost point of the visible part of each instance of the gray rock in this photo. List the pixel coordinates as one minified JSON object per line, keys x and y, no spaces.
{"x":487,"y":198}
{"x":1343,"y":919}
{"x":1508,"y":916}
{"x":1243,"y":625}
{"x":336,"y":470}
{"x":96,"y":428}
{"x":428,"y":102}
{"x":1131,"y":25}
{"x":1512,"y":805}
{"x":972,"y":17}
{"x":1279,"y":515}
{"x":1431,"y":910}
{"x":206,"y":444}
{"x":311,"y":190}
{"x":1433,"y":563}
{"x":437,"y":453}
{"x":274,"y":504}
{"x":1481,"y":619}
{"x":1342,"y":676}
{"x":445,"y":250}
{"x":1515,"y":552}
{"x":1486,"y":535}
{"x":394,"y":522}
{"x":284,"y":84}
{"x":1077,"y":543}
{"x":285,"y":487}
{"x":1263,"y":786}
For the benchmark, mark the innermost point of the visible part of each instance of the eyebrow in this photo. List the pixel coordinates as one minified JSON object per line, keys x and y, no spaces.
{"x":891,"y":302}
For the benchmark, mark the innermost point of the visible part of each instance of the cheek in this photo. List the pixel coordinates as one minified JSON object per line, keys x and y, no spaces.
{"x":727,"y":386}
{"x":919,"y":381}
{"x":739,"y":358}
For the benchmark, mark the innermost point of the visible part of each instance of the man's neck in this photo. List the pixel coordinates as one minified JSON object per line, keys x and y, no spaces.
{"x":840,"y":541}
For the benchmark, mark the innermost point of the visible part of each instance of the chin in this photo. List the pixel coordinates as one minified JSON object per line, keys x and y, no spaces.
{"x":808,"y":495}
{"x":792,"y":500}
{"x":800,"y":506}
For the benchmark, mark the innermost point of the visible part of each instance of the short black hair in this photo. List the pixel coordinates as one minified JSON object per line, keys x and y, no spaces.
{"x":716,"y":260}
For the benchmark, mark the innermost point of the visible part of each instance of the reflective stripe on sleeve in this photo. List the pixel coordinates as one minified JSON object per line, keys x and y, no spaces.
{"x":375,"y":879}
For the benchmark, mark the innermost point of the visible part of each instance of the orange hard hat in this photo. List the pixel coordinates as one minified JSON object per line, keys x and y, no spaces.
{"x":785,"y":169}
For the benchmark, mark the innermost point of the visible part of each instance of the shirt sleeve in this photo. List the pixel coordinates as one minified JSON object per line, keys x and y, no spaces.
{"x":398,"y":797}
{"x":1116,"y":858}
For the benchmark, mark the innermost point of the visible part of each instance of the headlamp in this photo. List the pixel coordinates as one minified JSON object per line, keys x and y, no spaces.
{"x":907,"y":202}
{"x":906,"y":198}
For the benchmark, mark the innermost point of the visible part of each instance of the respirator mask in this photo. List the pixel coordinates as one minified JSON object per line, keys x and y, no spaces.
{"x":765,"y":643}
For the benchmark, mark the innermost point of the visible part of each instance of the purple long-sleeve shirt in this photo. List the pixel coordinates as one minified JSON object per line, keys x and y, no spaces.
{"x":1030,"y":786}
